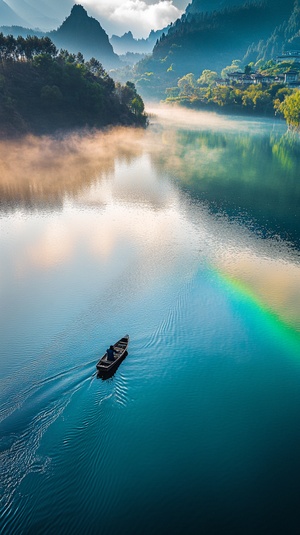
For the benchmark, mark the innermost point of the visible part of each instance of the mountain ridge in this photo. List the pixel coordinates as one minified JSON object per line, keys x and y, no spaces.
{"x":81,"y":33}
{"x":127,"y":42}
{"x":77,"y":33}
{"x":201,"y":40}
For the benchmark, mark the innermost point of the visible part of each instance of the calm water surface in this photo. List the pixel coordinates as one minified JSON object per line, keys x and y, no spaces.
{"x":187,"y":237}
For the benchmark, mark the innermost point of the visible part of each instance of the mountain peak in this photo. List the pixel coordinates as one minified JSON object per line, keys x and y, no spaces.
{"x":80,"y":32}
{"x":78,"y":11}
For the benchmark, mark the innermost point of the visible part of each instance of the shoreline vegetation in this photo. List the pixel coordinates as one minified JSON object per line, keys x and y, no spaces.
{"x":210,"y":93}
{"x":43,"y":90}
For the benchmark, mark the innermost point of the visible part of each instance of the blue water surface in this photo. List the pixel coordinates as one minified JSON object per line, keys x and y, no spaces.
{"x":198,"y":430}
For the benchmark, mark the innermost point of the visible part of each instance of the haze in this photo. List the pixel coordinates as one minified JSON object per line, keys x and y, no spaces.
{"x":115,"y":16}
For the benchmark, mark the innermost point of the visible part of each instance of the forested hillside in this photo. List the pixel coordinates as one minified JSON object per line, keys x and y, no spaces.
{"x":42,"y":90}
{"x":202,"y":6}
{"x":202,"y":40}
{"x":286,"y":36}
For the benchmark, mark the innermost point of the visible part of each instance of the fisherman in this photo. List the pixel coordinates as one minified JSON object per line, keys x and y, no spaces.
{"x":110,"y":353}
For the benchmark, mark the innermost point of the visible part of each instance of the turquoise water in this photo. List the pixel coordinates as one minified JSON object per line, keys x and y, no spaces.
{"x":185,"y":236}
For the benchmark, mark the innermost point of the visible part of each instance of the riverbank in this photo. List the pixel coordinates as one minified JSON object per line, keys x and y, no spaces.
{"x":257,"y":100}
{"x":224,"y":109}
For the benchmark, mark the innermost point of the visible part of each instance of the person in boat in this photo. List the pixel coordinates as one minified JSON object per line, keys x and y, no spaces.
{"x":110,"y":353}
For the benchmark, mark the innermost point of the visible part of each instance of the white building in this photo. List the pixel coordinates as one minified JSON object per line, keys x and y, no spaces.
{"x":290,"y":55}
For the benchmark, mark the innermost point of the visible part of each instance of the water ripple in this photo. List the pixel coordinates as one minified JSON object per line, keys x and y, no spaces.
{"x":35,"y":411}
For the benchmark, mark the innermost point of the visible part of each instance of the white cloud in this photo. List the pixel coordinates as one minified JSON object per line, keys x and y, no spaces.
{"x":119,"y":16}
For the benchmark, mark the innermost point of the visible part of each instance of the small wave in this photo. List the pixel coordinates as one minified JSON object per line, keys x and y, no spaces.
{"x":121,"y":390}
{"x":36,"y":409}
{"x":167,"y":333}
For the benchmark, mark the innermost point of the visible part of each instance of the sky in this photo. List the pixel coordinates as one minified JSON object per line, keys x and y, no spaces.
{"x":139,"y":16}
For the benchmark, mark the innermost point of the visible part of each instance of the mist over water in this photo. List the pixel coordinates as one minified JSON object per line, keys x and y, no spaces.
{"x":187,"y":237}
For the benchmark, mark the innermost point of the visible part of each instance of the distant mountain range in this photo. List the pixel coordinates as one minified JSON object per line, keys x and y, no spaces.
{"x":127,"y":43}
{"x":209,"y":35}
{"x":20,"y":30}
{"x":78,"y":33}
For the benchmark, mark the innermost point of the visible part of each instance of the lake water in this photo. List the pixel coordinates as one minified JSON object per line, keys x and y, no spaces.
{"x":186,"y":236}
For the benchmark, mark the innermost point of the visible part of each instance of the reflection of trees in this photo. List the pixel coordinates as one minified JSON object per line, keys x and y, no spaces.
{"x":286,"y":148}
{"x":38,"y":173}
{"x":236,"y":171}
{"x":239,"y":172}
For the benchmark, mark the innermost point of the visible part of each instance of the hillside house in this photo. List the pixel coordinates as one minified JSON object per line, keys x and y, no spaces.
{"x":235,"y":76}
{"x":290,"y":55}
{"x":263,"y":78}
{"x":291,"y":77}
{"x":239,"y":78}
{"x":222,"y":81}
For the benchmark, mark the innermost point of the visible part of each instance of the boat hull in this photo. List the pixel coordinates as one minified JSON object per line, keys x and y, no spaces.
{"x":106,"y":368}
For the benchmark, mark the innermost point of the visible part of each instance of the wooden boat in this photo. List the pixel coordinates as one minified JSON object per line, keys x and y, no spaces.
{"x":106,"y":367}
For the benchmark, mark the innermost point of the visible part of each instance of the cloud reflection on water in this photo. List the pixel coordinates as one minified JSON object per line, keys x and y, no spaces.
{"x":127,"y":177}
{"x":38,"y":173}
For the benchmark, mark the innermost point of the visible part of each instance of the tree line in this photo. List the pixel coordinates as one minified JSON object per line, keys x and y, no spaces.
{"x":256,"y":99}
{"x":20,"y":48}
{"x":42,"y":89}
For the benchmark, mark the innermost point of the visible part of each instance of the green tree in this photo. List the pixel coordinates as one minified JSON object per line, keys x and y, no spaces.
{"x":32,"y":46}
{"x":9,"y":48}
{"x":137,"y":105}
{"x":290,"y":108}
{"x":131,"y":98}
{"x":207,"y":77}
{"x":222,"y":95}
{"x":128,"y":93}
{"x":48,"y":47}
{"x":42,"y":62}
{"x":79,"y":58}
{"x":172,"y":92}
{"x":51,"y":96}
{"x":235,"y":66}
{"x":283,"y":92}
{"x":187,"y":85}
{"x":262,"y":101}
{"x":258,"y":99}
{"x":95,"y":67}
{"x":66,"y":57}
